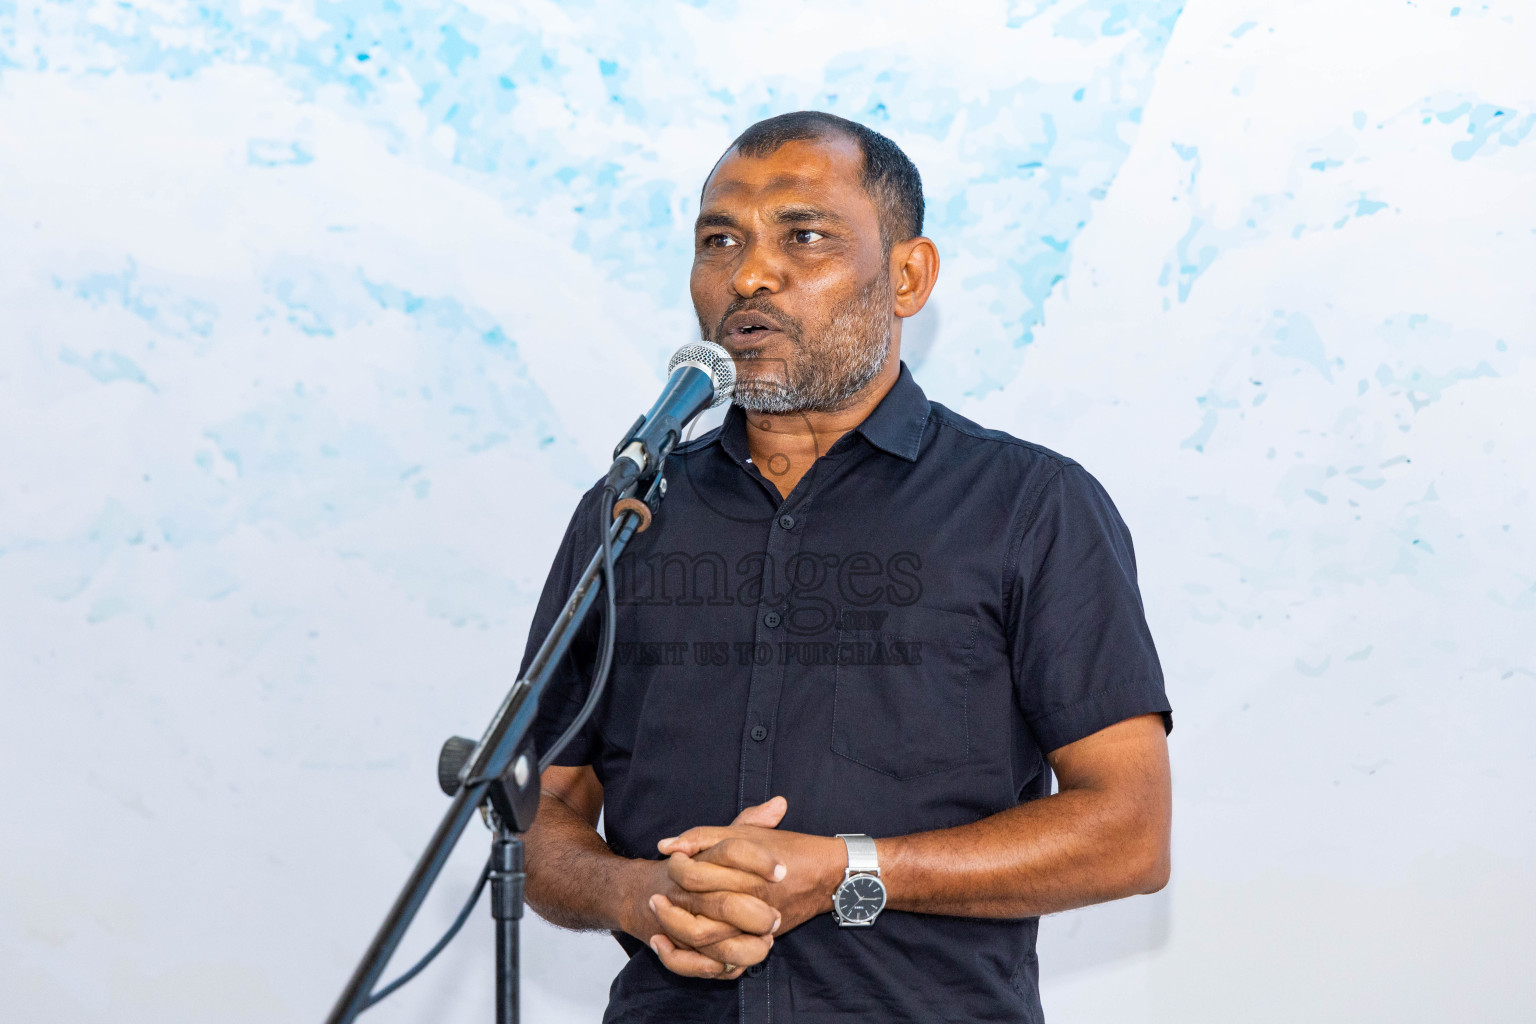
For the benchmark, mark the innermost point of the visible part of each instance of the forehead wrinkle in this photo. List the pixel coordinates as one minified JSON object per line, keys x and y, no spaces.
{"x":797,"y":213}
{"x":805,"y":203}
{"x":812,"y":191}
{"x":784,"y":181}
{"x":818,"y":182}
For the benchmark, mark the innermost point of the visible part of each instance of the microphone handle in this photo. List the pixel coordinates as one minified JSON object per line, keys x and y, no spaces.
{"x":689,"y":391}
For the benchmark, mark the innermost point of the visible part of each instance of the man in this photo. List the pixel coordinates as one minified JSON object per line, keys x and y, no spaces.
{"x":856,"y":642}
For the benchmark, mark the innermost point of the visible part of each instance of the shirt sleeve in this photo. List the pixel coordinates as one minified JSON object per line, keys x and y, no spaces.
{"x":1082,"y":654}
{"x":567,"y":689}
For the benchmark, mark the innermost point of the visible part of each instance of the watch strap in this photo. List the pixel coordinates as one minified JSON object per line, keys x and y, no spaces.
{"x":861,"y":854}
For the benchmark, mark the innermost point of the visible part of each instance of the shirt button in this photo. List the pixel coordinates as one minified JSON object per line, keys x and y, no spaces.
{"x":755,"y":970}
{"x":771,"y":619}
{"x":759,"y":733}
{"x":787,"y":521}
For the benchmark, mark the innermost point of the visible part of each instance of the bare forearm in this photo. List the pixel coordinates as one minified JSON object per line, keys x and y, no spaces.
{"x":574,"y":880}
{"x":1069,"y":850}
{"x":1104,"y":836}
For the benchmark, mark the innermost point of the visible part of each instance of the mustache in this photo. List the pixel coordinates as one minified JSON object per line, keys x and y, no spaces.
{"x":788,"y":325}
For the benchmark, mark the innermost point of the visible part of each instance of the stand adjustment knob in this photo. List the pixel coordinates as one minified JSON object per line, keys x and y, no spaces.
{"x":451,"y":760}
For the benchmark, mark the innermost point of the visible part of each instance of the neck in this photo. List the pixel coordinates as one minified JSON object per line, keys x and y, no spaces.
{"x":784,"y":445}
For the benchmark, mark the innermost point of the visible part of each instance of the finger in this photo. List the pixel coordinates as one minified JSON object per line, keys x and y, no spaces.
{"x":746,"y":855}
{"x":741,"y":952}
{"x":694,"y":840}
{"x":728,"y":958}
{"x":687,"y":962}
{"x":689,"y":928}
{"x":702,"y":876}
{"x":742,"y":912}
{"x":764,"y":815}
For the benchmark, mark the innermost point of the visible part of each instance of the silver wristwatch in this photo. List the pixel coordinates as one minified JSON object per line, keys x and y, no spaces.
{"x":861,"y":897}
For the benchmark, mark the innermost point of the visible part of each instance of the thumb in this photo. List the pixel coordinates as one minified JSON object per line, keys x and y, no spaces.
{"x":764,"y":815}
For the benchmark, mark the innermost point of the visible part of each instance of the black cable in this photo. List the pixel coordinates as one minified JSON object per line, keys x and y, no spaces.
{"x":442,"y":943}
{"x":610,"y":634}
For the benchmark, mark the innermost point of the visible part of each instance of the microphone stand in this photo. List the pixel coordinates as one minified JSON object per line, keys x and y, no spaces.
{"x":507,"y":910}
{"x":503,"y":771}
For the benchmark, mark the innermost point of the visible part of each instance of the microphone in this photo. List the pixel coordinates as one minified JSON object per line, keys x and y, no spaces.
{"x":699,"y":376}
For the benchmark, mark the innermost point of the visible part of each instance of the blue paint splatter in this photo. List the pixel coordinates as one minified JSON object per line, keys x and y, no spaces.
{"x":107,"y":367}
{"x":1295,"y":337}
{"x":156,"y":304}
{"x":276,"y":153}
{"x":1486,"y":123}
{"x":1202,"y":435}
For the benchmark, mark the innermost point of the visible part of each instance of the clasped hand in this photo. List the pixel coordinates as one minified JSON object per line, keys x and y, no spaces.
{"x":723,"y":893}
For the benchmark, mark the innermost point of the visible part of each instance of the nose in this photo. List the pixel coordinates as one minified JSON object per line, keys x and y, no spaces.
{"x":758,"y":271}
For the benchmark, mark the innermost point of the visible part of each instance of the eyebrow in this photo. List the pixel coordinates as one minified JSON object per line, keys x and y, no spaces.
{"x":783,"y":215}
{"x":802,"y":214}
{"x":714,"y":220}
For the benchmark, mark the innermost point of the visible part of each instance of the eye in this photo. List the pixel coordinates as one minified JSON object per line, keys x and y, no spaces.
{"x":805,"y":236}
{"x":719,"y":241}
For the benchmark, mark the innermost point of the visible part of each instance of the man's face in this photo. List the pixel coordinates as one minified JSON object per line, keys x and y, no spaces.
{"x":790,"y":276}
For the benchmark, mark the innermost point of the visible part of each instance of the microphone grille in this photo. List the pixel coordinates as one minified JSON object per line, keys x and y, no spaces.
{"x":713,"y":360}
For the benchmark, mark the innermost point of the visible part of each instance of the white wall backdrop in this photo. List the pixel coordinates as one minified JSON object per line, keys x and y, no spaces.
{"x":315,"y":319}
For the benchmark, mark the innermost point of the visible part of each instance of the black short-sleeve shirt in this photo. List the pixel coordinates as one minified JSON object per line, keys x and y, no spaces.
{"x":893,"y":648}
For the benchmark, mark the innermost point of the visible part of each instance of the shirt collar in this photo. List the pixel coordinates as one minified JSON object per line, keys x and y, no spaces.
{"x":896,"y":425}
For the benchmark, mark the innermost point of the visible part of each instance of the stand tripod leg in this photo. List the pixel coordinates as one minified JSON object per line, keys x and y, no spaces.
{"x":507,"y":910}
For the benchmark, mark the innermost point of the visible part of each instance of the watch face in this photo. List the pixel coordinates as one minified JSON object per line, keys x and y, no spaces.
{"x":860,"y":898}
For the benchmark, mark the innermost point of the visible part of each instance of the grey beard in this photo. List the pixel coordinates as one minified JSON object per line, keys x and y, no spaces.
{"x":849,"y":354}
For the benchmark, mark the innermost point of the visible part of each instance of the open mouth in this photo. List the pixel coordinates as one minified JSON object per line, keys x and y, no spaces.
{"x":749,"y":328}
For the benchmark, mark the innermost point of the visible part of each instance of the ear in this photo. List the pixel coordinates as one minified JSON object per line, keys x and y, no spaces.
{"x":914,"y":271}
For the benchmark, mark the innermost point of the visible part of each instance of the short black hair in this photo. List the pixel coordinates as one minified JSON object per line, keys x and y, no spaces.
{"x":890,"y":178}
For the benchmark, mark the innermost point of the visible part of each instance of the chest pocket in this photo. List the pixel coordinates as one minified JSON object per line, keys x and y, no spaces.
{"x":900,"y":705}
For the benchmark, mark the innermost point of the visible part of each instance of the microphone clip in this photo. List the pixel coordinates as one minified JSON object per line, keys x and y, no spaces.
{"x":618,"y":449}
